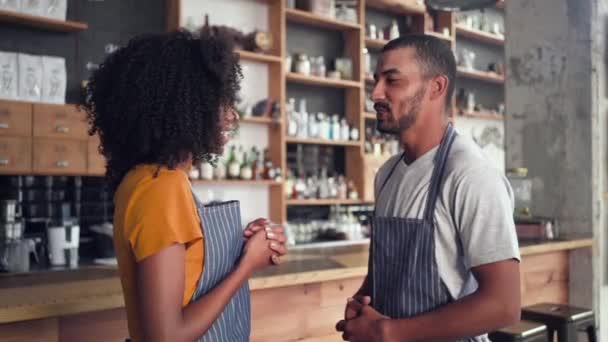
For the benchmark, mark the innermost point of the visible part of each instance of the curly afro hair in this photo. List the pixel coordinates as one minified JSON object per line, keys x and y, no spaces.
{"x":160,"y":100}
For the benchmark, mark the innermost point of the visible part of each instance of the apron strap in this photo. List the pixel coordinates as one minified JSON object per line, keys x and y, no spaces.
{"x":440,"y":161}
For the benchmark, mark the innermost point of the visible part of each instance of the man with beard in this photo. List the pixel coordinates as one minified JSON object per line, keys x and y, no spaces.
{"x":444,"y":258}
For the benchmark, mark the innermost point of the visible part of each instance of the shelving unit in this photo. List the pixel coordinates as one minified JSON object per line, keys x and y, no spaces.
{"x":258,"y":57}
{"x":397,"y":6}
{"x":481,"y":75}
{"x":291,"y":140}
{"x":41,"y":23}
{"x":321,"y":81}
{"x":354,"y":40}
{"x":307,"y":18}
{"x":480,"y":36}
{"x":323,"y":202}
{"x":262,"y":120}
{"x":233,"y":182}
{"x":376,"y":44}
{"x":488,"y":115}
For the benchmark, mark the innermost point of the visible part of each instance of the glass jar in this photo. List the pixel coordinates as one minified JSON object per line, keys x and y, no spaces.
{"x":335,"y":127}
{"x":313,"y":126}
{"x":522,"y":191}
{"x":302,"y":64}
{"x":324,"y":126}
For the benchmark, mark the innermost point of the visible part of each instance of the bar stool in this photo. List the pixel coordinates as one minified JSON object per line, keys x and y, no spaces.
{"x":523,"y":331}
{"x":563,"y":319}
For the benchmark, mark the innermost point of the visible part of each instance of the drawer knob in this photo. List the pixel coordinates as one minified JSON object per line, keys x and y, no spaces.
{"x":62,"y":129}
{"x":63,"y":164}
{"x":4,"y":161}
{"x":3,"y":125}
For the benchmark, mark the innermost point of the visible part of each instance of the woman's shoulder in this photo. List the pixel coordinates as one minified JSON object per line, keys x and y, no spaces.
{"x":152,"y":181}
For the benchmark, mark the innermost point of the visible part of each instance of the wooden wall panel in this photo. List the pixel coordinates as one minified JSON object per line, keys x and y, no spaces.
{"x":43,"y":330}
{"x":101,"y":326}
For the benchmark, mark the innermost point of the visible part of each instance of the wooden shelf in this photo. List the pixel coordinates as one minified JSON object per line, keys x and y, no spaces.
{"x":481,"y":75}
{"x":320,"y":202}
{"x":308,"y":18}
{"x":262,"y":120}
{"x":321,"y":81}
{"x":41,"y":23}
{"x":329,"y":244}
{"x":488,"y":115}
{"x":397,"y":6}
{"x":376,"y":44}
{"x":236,"y":182}
{"x":479,"y":36}
{"x":292,"y":140}
{"x":258,"y":57}
{"x":439,"y":35}
{"x":369,"y":116}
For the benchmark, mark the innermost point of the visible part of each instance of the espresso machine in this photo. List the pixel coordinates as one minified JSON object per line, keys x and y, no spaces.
{"x":15,"y":250}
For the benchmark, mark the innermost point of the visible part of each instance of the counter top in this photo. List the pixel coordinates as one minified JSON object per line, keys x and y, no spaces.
{"x":44,"y":294}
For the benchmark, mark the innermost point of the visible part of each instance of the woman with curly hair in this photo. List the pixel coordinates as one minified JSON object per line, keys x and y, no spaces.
{"x":160,"y":104}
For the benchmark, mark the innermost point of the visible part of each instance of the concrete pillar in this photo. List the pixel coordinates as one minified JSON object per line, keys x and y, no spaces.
{"x":556,"y":125}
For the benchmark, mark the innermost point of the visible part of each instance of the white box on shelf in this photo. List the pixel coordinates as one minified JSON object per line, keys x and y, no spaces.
{"x":8,"y":76}
{"x":56,"y":9}
{"x":54,"y":79}
{"x":10,"y":5}
{"x":30,"y":77}
{"x":32,"y":7}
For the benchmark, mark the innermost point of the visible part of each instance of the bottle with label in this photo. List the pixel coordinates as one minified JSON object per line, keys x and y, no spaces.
{"x":335,"y":127}
{"x":255,"y":163}
{"x":344,"y":129}
{"x":323,"y":185}
{"x":268,"y":167}
{"x":333,"y":187}
{"x":246,"y":171}
{"x":206,"y":171}
{"x":234,"y":167}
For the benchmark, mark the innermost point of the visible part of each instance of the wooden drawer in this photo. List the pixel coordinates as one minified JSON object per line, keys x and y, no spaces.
{"x":96,"y":163}
{"x":59,"y":156}
{"x":15,"y":119}
{"x":15,"y":155}
{"x":59,"y":121}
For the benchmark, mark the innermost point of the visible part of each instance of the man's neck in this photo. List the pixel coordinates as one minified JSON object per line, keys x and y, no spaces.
{"x":423,"y":136}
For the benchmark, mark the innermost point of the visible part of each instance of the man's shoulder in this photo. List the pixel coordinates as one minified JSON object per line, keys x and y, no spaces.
{"x":467,"y":158}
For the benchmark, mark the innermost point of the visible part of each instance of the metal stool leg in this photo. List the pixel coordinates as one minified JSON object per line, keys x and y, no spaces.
{"x":591,"y":333}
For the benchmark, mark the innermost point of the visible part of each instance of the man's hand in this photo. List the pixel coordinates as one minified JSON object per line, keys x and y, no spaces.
{"x":366,"y":327}
{"x":274,"y":232}
{"x":354,"y":305}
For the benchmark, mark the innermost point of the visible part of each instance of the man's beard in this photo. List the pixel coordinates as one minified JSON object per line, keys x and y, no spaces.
{"x":407,"y":120}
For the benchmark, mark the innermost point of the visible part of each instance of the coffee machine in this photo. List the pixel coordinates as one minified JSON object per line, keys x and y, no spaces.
{"x":15,"y":250}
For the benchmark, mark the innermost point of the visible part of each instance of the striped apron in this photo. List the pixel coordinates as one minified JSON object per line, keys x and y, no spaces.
{"x":223,"y":234}
{"x":404,"y":278}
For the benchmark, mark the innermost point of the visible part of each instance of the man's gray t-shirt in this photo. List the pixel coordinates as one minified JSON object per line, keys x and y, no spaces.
{"x":473,"y":214}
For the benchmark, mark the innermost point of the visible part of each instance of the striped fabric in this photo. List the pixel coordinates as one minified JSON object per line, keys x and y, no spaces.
{"x":404,"y":278}
{"x":223,"y":234}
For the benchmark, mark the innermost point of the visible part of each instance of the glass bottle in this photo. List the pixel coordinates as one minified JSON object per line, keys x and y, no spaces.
{"x":292,"y":119}
{"x":335,"y":127}
{"x":206,"y":171}
{"x":289,"y":185}
{"x":246,"y":171}
{"x":354,"y":134}
{"x":344,"y":130}
{"x":303,"y":122}
{"x":300,"y":187}
{"x":323,"y":185}
{"x":352,"y":191}
{"x":323,"y":126}
{"x":234,"y":167}
{"x":255,"y":163}
{"x":220,"y":170}
{"x":313,"y":126}
{"x":342,"y":188}
{"x":394,"y":31}
{"x":268,"y":167}
{"x":333,"y":187}
{"x":194,"y":173}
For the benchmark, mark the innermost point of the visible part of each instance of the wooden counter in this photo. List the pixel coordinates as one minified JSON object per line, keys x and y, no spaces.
{"x":316,"y":281}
